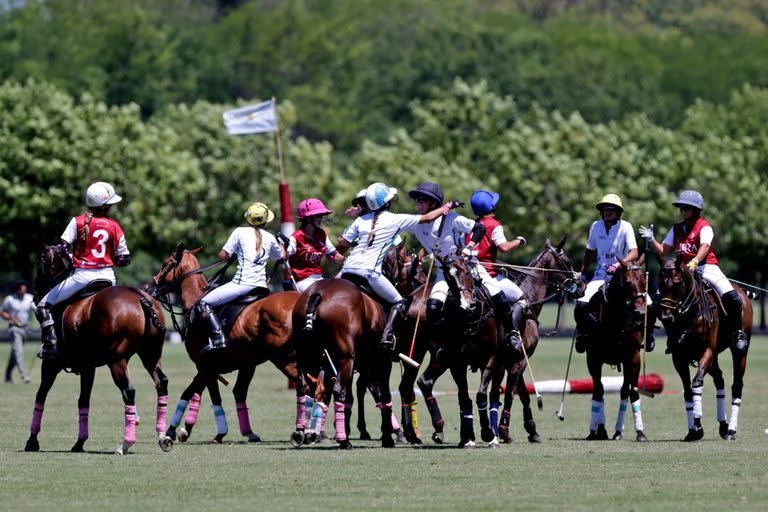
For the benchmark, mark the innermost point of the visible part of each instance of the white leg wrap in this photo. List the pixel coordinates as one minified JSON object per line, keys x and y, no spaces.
{"x":620,"y":417}
{"x":318,"y":411}
{"x":180,"y":408}
{"x":720,"y":404}
{"x":735,"y":407}
{"x":221,"y":419}
{"x":697,"y":401}
{"x":689,"y":412}
{"x":637,"y":415}
{"x":597,"y":413}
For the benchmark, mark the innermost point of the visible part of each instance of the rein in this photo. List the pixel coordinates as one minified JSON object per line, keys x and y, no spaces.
{"x":159,"y":289}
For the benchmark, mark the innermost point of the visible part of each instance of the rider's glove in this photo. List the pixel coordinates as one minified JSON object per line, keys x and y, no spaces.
{"x":647,"y":233}
{"x":283,"y":239}
{"x":612,"y":268}
{"x":466,"y":253}
{"x":693,"y":265}
{"x":522,"y":240}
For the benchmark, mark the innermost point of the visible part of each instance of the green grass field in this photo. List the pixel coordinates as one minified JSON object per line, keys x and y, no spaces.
{"x":562,"y":473}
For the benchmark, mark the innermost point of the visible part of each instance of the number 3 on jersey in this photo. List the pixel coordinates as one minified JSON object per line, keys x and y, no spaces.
{"x":101,"y":243}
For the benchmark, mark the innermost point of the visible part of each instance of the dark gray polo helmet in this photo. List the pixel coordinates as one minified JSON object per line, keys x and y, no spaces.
{"x":690,"y":198}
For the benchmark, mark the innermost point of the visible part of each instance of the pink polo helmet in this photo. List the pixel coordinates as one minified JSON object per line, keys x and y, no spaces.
{"x":311,"y":207}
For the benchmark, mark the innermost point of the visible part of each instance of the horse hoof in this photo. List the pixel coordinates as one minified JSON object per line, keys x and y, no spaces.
{"x":438,"y":438}
{"x":412,"y":438}
{"x":165,"y":442}
{"x":171,"y":432}
{"x":487,"y":435}
{"x":400,"y":436}
{"x":123,"y":447}
{"x":297,"y":438}
{"x":641,"y":438}
{"x":694,"y":434}
{"x":617,"y":436}
{"x":322,"y":438}
{"x":598,"y":435}
{"x":723,"y":429}
{"x":219,"y":439}
{"x":506,"y":439}
{"x":183,"y":435}
{"x":365,"y":436}
{"x":253,"y":438}
{"x":387,"y":441}
{"x":78,"y":446}
{"x":32,"y":445}
{"x":494,"y":444}
{"x":467,"y":445}
{"x":345,"y":445}
{"x":532,"y":438}
{"x":730,"y":436}
{"x":310,"y":437}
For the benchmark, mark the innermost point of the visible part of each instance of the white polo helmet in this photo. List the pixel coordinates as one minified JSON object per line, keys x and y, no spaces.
{"x":101,"y":193}
{"x":379,"y":194}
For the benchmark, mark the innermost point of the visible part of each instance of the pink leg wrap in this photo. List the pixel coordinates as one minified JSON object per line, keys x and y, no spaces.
{"x":162,"y":413}
{"x":341,"y":431}
{"x":301,"y":412}
{"x":325,"y":415}
{"x":130,"y":423}
{"x":194,"y":408}
{"x":83,"y":433}
{"x":395,"y":424}
{"x":242,"y":417}
{"x":37,"y":418}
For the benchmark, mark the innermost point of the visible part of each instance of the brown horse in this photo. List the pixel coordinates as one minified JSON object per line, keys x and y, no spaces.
{"x":104,"y":328}
{"x":621,"y":310}
{"x":694,"y":318}
{"x":261,"y":332}
{"x":342,"y":327}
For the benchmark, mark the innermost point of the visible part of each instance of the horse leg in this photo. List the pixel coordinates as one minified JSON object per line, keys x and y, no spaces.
{"x":525,"y":400}
{"x":151,"y":362}
{"x":717,"y":378}
{"x":631,"y":376}
{"x":222,"y":429}
{"x":340,"y":392}
{"x":328,"y":383}
{"x":597,"y":430}
{"x":426,"y":384}
{"x":695,"y":432}
{"x":506,"y":413}
{"x":380,"y":390}
{"x":119,"y":371}
{"x":410,"y":420}
{"x":494,"y":395}
{"x":189,"y":397}
{"x":240,"y":391}
{"x":739,"y":368}
{"x":362,"y":386}
{"x":487,"y":434}
{"x":86,"y":385}
{"x":467,"y":429}
{"x":49,"y":371}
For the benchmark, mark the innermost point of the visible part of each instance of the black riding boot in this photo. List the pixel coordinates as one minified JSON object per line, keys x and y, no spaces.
{"x":650,"y":321}
{"x":436,"y":325}
{"x":586,"y":325}
{"x":216,"y":339}
{"x":396,"y":313}
{"x":504,"y":313}
{"x":733,"y":308}
{"x":48,"y":348}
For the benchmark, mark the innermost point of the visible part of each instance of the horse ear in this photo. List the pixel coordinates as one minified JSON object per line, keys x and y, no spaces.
{"x":562,"y":243}
{"x":179,"y":251}
{"x":196,"y":250}
{"x":548,"y":244}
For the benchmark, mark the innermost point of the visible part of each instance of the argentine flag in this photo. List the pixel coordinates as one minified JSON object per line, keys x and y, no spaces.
{"x":260,"y":118}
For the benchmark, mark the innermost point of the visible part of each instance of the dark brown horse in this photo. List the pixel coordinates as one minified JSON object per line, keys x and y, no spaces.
{"x":261,"y":332}
{"x":104,"y":328}
{"x":621,"y":310}
{"x":696,"y":325}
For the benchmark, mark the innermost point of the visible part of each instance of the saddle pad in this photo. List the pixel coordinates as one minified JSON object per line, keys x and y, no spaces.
{"x":228,"y":313}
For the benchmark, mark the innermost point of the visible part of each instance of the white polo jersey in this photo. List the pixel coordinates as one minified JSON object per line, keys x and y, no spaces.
{"x":370,"y":255}
{"x":19,"y":307}
{"x":451,"y":238}
{"x":250,"y":264}
{"x":611,"y":245}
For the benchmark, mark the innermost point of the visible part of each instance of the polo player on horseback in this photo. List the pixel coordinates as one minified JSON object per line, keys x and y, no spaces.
{"x":97,"y":244}
{"x":691,"y":240}
{"x":254,"y":247}
{"x":376,"y":231}
{"x":308,"y":244}
{"x":445,"y":239}
{"x":483,"y":205}
{"x":612,"y":241}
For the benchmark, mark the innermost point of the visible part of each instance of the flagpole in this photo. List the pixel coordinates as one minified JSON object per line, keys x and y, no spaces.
{"x":286,"y":210}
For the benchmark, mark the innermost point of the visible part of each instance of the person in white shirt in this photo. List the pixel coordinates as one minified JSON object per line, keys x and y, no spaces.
{"x":612,"y":242}
{"x":375,"y":231}
{"x":254,"y":247}
{"x":15,"y":309}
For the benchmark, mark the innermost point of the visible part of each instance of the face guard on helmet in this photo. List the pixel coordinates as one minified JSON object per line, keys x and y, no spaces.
{"x":258,"y":214}
{"x":378,"y":194}
{"x":101,"y":194}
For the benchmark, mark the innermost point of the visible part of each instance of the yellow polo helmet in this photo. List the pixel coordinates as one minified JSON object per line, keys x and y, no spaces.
{"x":612,"y":200}
{"x":258,"y":214}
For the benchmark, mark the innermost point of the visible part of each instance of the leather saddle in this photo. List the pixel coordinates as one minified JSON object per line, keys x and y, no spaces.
{"x":229,"y":312}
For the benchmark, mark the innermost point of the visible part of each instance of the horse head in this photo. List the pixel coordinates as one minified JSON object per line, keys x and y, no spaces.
{"x":176,"y":268}
{"x":627,"y":290}
{"x":564,"y":279}
{"x":53,"y":265}
{"x":394,"y":266}
{"x":461,"y":284}
{"x":677,"y":290}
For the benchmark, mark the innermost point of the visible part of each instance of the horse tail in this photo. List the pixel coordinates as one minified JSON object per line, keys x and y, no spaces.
{"x":312,"y":304}
{"x":150,"y":315}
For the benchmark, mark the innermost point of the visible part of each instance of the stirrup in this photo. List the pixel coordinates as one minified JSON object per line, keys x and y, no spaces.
{"x":514,"y":341}
{"x":212,"y":345}
{"x":740,"y":341}
{"x":47,"y":351}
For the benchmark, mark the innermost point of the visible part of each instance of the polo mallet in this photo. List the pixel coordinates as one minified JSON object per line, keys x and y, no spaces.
{"x":644,"y":390}
{"x":539,"y":401}
{"x":409,"y":358}
{"x":330,"y":361}
{"x":559,"y":412}
{"x":222,"y":380}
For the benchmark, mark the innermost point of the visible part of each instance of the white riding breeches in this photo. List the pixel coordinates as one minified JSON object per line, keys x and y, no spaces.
{"x":594,"y":285}
{"x":510,"y":289}
{"x":79,"y":279}
{"x":380,"y":284}
{"x":307,"y":282}
{"x":226,"y":293}
{"x":440,"y":288}
{"x":715,"y":277}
